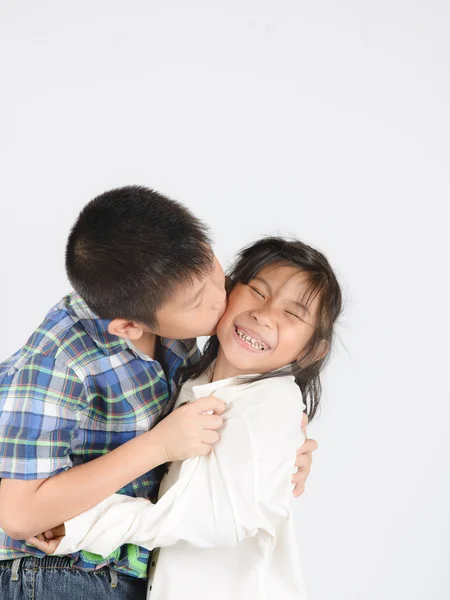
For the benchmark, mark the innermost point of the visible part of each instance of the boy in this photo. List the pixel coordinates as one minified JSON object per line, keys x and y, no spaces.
{"x":92,"y":386}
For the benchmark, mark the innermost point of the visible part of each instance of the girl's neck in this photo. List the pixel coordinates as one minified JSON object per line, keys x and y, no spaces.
{"x":223,"y":369}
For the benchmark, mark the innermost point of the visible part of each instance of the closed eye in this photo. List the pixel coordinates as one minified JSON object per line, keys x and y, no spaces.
{"x":258,"y":292}
{"x":293,"y":314}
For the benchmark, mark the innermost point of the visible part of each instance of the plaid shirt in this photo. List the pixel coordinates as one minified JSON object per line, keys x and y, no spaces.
{"x":73,"y":393}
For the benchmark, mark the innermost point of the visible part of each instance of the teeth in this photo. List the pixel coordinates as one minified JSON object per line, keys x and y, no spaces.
{"x":252,"y":342}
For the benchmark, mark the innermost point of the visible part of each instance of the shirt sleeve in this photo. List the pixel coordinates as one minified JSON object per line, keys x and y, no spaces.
{"x":241,"y":487}
{"x":39,"y":405}
{"x":276,"y":435}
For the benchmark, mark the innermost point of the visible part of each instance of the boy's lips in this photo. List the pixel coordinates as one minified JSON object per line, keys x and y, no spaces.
{"x":254,"y":337}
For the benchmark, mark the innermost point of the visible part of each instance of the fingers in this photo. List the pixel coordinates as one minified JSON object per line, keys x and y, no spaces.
{"x":204,"y":450}
{"x":211,"y":421}
{"x":48,"y":547}
{"x":308,"y":446}
{"x":303,"y":461}
{"x":210,"y":437}
{"x":304,"y":423}
{"x":299,"y":480}
{"x":59,"y":531}
{"x":299,"y":477}
{"x":298,"y":490}
{"x":210,"y":403}
{"x":38,"y":542}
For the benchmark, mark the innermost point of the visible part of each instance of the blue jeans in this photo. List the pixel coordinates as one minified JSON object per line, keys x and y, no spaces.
{"x":52,"y":578}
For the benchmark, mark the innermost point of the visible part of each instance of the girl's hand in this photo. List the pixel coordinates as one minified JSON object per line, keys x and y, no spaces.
{"x":48,"y":541}
{"x":303,"y":461}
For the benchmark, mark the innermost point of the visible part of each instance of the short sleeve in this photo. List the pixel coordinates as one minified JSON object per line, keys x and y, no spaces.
{"x":39,"y":406}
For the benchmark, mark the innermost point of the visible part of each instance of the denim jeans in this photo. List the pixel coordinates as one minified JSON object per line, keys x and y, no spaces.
{"x":52,"y":578}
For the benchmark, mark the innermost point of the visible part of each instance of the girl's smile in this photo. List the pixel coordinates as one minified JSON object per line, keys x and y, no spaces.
{"x":250,"y":340}
{"x":267,"y":323}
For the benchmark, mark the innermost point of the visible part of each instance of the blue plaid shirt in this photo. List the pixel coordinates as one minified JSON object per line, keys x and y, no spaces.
{"x":73,"y":393}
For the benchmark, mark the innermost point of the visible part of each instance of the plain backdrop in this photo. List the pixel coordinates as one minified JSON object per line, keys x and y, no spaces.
{"x":325,"y":120}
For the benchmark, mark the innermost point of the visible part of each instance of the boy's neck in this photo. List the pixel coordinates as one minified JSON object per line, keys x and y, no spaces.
{"x":147,"y":344}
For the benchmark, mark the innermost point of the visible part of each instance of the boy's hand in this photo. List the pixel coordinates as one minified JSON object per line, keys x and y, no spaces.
{"x":189,"y":431}
{"x":303,"y":461}
{"x":48,"y":541}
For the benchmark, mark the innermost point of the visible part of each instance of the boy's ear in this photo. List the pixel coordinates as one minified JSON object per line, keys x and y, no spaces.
{"x":126,"y":329}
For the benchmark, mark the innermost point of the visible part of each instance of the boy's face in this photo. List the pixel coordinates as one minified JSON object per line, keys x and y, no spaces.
{"x":194,"y":310}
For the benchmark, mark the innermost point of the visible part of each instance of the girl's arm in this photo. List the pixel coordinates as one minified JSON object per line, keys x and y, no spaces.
{"x":241,"y":487}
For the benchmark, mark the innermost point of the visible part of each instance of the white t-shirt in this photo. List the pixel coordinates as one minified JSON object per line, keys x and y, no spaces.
{"x":224,"y":522}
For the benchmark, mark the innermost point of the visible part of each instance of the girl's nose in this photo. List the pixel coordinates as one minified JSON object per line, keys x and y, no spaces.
{"x":263,"y":317}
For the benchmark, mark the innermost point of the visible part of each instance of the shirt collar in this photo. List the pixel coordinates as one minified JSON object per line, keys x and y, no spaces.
{"x":96,"y":328}
{"x":204,"y":381}
{"x":175,"y":352}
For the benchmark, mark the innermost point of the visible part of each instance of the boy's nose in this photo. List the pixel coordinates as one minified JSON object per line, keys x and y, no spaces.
{"x":222,"y":305}
{"x":221,"y":297}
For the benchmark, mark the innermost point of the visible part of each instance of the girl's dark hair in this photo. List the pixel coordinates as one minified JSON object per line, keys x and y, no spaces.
{"x":130,"y":248}
{"x":322,"y":283}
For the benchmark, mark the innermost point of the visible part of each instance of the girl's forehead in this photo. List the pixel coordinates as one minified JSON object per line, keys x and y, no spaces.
{"x":290,"y":282}
{"x":282,"y":274}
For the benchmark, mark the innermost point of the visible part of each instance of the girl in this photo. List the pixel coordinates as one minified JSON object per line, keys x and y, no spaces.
{"x":224,"y":521}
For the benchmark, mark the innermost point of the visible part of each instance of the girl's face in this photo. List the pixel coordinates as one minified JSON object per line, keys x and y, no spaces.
{"x":266,"y":324}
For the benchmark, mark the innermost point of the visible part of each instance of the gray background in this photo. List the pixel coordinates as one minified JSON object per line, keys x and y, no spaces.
{"x":328,"y":120}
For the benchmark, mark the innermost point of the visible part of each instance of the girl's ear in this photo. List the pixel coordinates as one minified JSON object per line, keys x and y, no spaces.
{"x":322,"y":350}
{"x":319,"y":353}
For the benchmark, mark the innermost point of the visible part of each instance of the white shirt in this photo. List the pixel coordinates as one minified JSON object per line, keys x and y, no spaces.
{"x":224,"y":521}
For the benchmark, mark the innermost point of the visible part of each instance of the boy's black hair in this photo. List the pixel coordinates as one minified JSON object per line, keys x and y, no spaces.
{"x":130,"y":248}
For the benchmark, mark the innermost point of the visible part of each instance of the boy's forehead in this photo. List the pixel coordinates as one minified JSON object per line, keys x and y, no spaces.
{"x":187,"y":291}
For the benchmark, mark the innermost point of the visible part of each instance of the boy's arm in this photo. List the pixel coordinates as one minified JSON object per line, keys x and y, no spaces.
{"x":29,"y":507}
{"x":201,"y":508}
{"x":241,"y":487}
